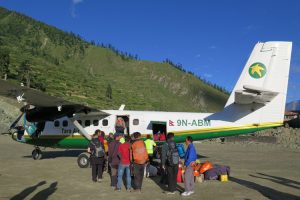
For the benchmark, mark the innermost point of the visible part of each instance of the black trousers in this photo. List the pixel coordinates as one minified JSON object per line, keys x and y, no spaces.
{"x":138,"y":173}
{"x":97,"y":168}
{"x":172,"y":177}
{"x":113,"y":175}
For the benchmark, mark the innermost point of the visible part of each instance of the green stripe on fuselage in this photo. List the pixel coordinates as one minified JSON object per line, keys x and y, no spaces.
{"x":79,"y":142}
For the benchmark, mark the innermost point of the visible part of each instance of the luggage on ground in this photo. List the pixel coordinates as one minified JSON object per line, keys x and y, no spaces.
{"x":152,"y":171}
{"x":205,"y":166}
{"x":214,"y":173}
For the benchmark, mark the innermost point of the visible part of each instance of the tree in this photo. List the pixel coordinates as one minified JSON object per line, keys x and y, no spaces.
{"x":24,"y":72}
{"x":4,"y":64}
{"x":109,"y":91}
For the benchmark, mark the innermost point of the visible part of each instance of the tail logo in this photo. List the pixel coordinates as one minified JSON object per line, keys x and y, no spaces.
{"x":257,"y":70}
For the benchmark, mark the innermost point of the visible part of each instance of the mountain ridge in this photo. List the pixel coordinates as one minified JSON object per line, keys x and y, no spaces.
{"x":64,"y":65}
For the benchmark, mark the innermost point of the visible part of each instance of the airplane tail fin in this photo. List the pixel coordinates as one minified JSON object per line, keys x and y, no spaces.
{"x":262,"y":87}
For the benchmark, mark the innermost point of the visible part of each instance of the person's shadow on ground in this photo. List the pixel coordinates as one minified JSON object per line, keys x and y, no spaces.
{"x":43,"y":194}
{"x":24,"y":193}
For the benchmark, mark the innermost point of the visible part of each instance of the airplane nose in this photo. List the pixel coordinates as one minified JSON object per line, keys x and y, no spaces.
{"x":14,"y":136}
{"x":18,"y":136}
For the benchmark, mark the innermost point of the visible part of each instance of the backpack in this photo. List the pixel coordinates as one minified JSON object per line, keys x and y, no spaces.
{"x":172,"y":154}
{"x":98,"y":150}
{"x":181,"y":151}
{"x":139,"y":152}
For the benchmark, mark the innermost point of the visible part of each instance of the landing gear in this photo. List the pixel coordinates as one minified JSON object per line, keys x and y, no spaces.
{"x":36,"y":154}
{"x":83,"y":160}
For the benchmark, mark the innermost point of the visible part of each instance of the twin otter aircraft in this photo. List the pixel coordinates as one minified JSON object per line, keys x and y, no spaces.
{"x":257,"y":102}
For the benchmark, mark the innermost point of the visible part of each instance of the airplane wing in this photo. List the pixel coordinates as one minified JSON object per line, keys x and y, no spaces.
{"x":41,"y":106}
{"x":252,"y":94}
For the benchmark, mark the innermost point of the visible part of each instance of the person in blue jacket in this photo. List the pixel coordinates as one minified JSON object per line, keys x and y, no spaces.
{"x":189,"y":163}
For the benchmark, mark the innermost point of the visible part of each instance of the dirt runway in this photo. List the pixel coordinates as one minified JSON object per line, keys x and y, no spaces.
{"x":258,"y":171}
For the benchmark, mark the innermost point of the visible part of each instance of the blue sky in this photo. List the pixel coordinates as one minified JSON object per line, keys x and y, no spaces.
{"x":212,"y":38}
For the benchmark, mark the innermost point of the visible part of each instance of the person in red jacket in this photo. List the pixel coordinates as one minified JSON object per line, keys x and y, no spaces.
{"x":162,"y":137}
{"x":124,"y":166}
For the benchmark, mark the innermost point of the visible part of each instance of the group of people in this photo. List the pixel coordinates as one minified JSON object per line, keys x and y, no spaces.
{"x":132,"y":156}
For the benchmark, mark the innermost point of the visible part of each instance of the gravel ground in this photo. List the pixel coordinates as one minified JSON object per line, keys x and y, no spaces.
{"x":259,"y":171}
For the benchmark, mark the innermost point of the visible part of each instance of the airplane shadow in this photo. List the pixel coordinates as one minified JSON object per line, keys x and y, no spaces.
{"x":56,"y":154}
{"x":268,"y":192}
{"x":279,"y":180}
{"x":43,"y":194}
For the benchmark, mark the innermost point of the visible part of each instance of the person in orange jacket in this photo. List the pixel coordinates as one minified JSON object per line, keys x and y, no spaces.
{"x":139,"y":159}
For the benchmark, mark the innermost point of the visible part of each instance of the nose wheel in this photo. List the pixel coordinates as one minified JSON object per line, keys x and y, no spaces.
{"x":36,"y":154}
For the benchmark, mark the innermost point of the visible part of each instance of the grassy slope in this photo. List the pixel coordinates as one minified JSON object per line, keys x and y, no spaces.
{"x":84,"y":77}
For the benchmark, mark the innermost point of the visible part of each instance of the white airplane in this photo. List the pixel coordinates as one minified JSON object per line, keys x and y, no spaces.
{"x":257,"y":102}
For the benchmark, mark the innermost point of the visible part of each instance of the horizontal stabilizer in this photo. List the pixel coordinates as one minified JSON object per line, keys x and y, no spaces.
{"x":251,"y":94}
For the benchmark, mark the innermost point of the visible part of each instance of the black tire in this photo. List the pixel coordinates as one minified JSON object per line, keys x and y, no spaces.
{"x":83,"y":160}
{"x":36,"y":154}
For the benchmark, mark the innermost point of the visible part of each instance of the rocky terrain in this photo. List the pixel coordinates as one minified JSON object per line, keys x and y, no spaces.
{"x":284,"y":137}
{"x":9,"y":111}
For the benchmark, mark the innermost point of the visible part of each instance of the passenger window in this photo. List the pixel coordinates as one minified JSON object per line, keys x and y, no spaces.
{"x":95,"y":122}
{"x":87,"y":123}
{"x":56,"y":123}
{"x":136,"y":122}
{"x":80,"y":122}
{"x":105,"y":122}
{"x":65,"y":123}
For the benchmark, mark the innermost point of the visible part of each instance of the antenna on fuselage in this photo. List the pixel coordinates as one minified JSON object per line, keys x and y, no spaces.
{"x":122,"y":107}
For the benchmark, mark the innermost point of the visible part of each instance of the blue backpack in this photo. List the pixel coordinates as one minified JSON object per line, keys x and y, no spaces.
{"x":180,"y":149}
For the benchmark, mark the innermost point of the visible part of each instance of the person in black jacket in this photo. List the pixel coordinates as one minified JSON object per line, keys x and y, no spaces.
{"x":169,"y":162}
{"x":97,"y":157}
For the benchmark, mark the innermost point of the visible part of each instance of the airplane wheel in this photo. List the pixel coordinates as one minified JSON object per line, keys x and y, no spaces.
{"x":83,"y":160}
{"x":36,"y":154}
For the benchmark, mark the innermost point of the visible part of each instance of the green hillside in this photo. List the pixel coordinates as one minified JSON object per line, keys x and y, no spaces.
{"x":62,"y":64}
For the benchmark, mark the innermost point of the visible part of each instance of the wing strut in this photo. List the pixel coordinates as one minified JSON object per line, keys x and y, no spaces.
{"x":82,"y":131}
